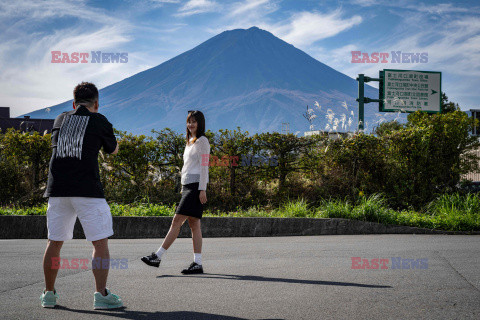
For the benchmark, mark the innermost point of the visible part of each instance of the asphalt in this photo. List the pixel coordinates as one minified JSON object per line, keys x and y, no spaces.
{"x":307,"y":277}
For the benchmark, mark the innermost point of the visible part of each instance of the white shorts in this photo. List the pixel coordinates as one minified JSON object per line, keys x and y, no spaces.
{"x":93,"y":213}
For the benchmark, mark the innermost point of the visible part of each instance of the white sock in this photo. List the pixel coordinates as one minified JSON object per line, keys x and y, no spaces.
{"x":160,"y":252}
{"x":197,"y":258}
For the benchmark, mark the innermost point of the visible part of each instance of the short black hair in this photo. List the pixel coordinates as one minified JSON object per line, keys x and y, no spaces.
{"x":85,"y":92}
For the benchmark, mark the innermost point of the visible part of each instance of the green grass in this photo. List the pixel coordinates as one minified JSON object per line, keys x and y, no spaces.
{"x":128,"y":210}
{"x":142,"y":209}
{"x":291,"y":209}
{"x":448,"y":212}
{"x":24,"y":211}
{"x":456,"y":211}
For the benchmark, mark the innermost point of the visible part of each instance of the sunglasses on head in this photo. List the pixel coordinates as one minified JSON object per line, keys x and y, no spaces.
{"x":189,"y":111}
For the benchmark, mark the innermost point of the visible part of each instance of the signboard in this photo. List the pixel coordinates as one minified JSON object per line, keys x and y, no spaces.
{"x":410,"y":91}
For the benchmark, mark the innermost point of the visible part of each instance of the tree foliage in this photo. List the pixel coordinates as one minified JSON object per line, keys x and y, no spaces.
{"x":448,"y":106}
{"x":24,"y":159}
{"x":409,"y":163}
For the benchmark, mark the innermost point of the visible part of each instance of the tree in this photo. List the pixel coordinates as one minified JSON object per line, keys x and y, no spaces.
{"x":430,"y":155}
{"x":24,"y":165}
{"x":355,"y":164}
{"x":171,"y":146}
{"x":231,"y":146}
{"x":287,"y":148}
{"x":131,"y":172}
{"x":385,"y":128}
{"x":448,"y":106}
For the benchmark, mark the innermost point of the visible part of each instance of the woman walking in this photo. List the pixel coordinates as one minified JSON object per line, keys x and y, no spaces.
{"x":194,"y":184}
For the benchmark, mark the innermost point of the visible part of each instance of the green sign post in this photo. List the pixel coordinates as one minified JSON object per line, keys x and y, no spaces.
{"x":402,"y":91}
{"x":362,"y":99}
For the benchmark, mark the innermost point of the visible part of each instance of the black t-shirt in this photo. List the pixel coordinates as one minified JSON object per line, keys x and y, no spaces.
{"x":77,"y":137}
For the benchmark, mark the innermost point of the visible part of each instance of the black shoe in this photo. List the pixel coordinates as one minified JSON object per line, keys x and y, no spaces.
{"x":193,"y":269}
{"x":152,"y":260}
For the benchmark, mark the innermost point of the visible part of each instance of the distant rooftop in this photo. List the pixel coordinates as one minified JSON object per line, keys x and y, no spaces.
{"x":24,"y":124}
{"x":4,"y":112}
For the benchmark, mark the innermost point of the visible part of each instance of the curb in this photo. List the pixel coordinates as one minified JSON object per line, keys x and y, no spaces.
{"x":35,"y":227}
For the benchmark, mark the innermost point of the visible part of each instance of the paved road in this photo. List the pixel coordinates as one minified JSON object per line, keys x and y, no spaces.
{"x":258,"y":278}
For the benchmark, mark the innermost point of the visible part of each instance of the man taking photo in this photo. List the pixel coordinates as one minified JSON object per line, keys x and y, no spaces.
{"x":74,"y":189}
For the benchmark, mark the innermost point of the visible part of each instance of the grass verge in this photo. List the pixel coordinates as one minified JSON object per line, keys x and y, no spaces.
{"x":448,"y":212}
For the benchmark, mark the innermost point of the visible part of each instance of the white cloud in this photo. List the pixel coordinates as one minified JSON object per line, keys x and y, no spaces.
{"x":154,"y":3}
{"x":161,"y":30}
{"x":166,"y":1}
{"x":435,"y":8}
{"x":28,"y":79}
{"x":300,"y":29}
{"x":305,"y":28}
{"x":41,"y":10}
{"x":365,"y":3}
{"x":455,"y":50}
{"x":34,"y":76}
{"x":440,"y":8}
{"x":244,"y":6}
{"x":193,"y":7}
{"x":335,"y":57}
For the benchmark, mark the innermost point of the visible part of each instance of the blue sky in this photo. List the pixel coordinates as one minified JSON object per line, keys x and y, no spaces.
{"x":154,"y":31}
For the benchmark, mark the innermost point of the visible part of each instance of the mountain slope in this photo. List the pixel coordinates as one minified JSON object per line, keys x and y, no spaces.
{"x":246,"y":78}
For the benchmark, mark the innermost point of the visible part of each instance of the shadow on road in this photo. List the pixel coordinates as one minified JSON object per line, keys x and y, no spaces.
{"x":258,"y":278}
{"x":124,"y":313}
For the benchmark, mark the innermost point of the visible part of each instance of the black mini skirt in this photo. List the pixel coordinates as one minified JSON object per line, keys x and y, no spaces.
{"x":190,"y":204}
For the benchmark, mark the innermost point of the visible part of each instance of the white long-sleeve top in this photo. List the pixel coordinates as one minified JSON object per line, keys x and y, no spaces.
{"x":195,"y":169}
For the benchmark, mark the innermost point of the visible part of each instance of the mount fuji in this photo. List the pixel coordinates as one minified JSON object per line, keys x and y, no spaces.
{"x":245,"y":78}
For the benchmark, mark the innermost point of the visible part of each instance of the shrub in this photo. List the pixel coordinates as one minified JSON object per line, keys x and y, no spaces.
{"x":23,"y":166}
{"x":409,"y":164}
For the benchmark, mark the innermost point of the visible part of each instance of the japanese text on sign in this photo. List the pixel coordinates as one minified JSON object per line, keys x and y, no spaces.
{"x":409,"y":91}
